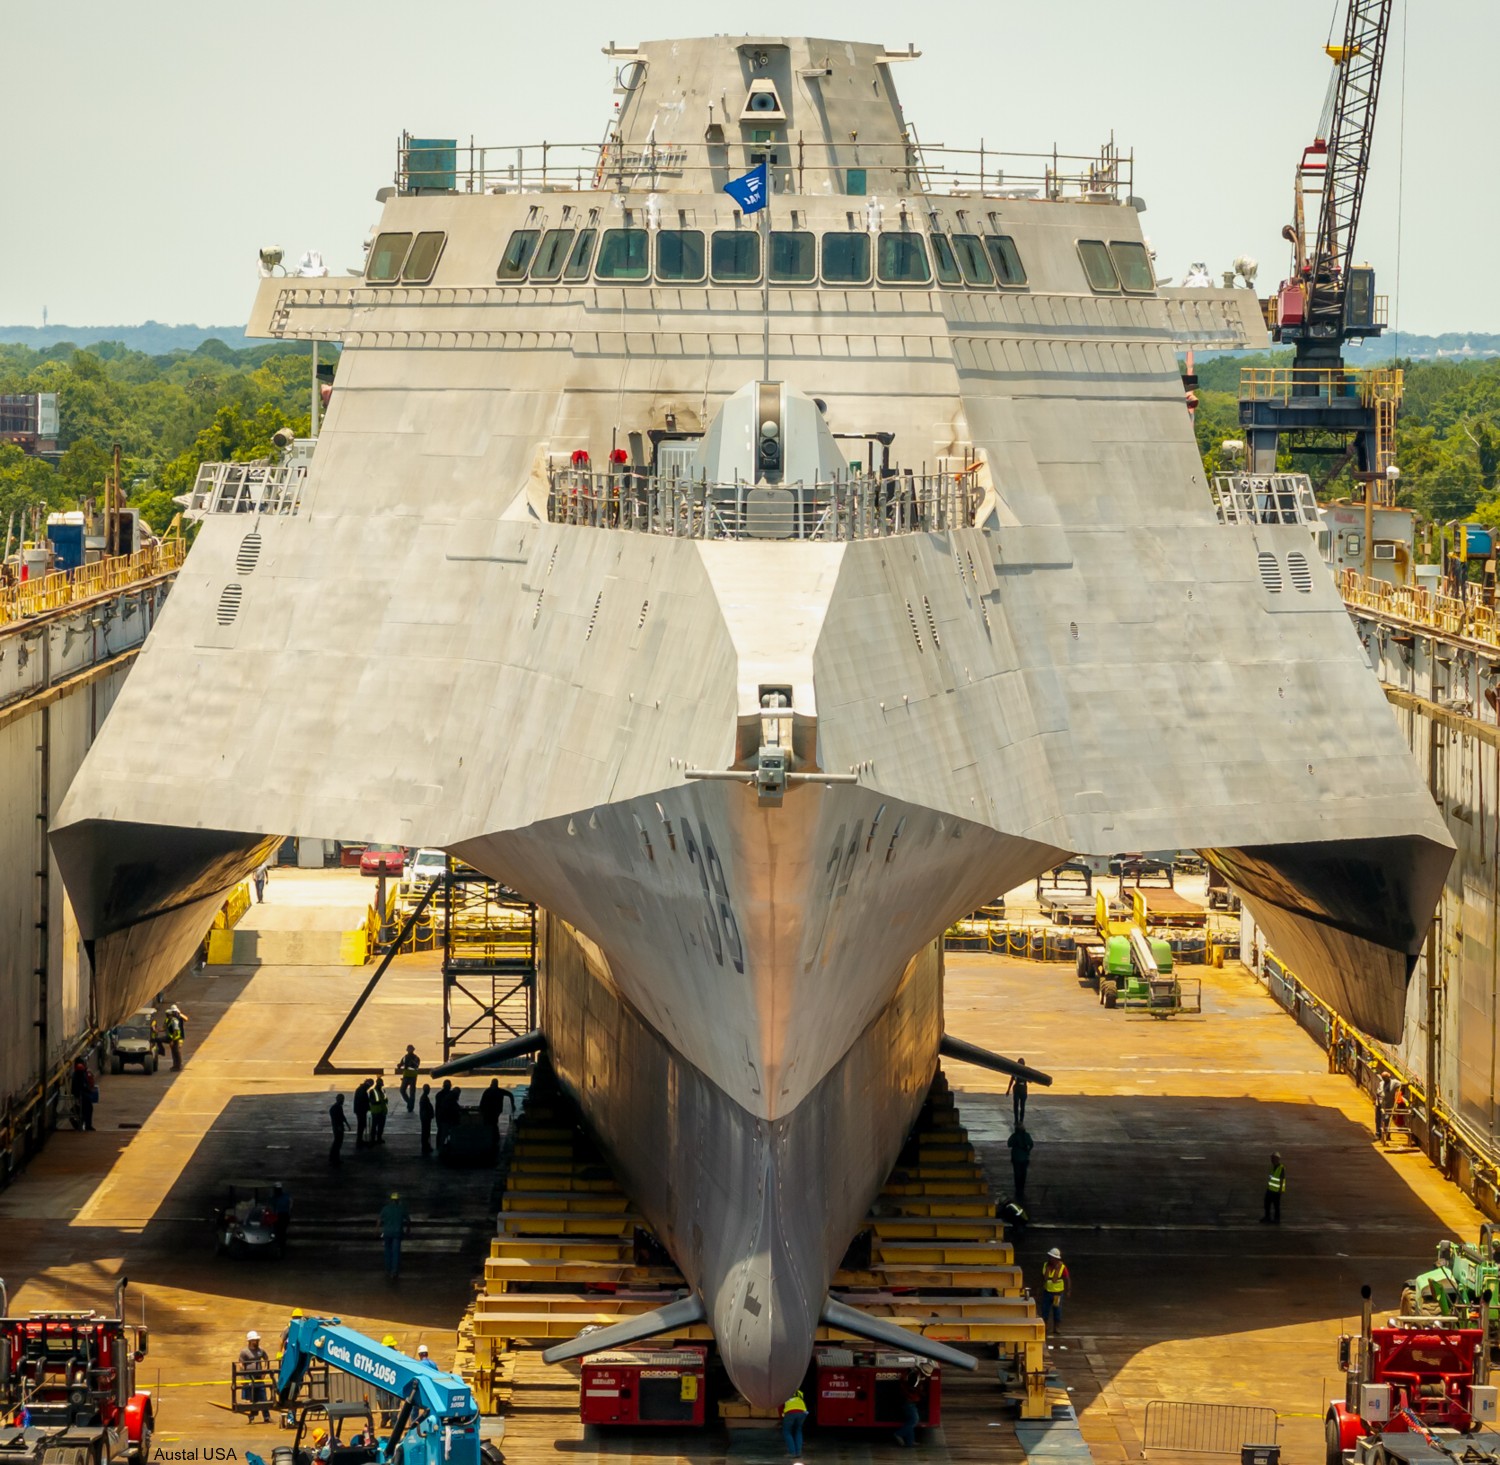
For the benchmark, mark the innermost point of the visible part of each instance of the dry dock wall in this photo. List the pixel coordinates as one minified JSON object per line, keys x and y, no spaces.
{"x":1445,"y":695}
{"x":59,"y":675}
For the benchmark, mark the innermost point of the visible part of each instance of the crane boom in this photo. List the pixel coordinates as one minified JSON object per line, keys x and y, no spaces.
{"x":1360,"y":61}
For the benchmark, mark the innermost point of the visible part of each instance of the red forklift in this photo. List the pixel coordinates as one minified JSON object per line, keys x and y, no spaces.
{"x":67,"y":1388}
{"x":1415,"y":1391}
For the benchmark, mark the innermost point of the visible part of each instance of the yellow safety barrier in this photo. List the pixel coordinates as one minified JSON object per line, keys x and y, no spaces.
{"x":1043,"y":943}
{"x":1422,"y":607}
{"x":219,"y":945}
{"x":68,"y":587}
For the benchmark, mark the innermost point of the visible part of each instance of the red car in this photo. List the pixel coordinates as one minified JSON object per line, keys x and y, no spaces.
{"x":383,"y":859}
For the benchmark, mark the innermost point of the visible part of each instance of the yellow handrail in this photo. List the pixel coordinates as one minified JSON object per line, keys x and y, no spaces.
{"x":1422,"y":607}
{"x":69,"y":587}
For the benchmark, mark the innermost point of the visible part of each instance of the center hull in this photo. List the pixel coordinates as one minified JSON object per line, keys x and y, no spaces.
{"x":757,"y":1213}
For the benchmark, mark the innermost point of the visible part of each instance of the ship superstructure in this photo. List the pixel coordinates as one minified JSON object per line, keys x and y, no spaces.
{"x":757,"y":601}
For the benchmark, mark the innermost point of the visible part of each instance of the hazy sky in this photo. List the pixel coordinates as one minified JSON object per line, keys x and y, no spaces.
{"x":152,"y":146}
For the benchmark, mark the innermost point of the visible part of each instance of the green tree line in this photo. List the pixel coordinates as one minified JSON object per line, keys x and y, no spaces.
{"x":1447,"y":435}
{"x":168,"y":413}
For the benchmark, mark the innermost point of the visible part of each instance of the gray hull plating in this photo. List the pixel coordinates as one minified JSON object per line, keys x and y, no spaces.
{"x":429,"y":652}
{"x":757,"y":1213}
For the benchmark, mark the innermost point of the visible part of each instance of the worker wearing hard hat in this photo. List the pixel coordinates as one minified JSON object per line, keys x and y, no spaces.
{"x":1057,"y":1283}
{"x":286,"y":1333}
{"x":422,"y":1354}
{"x":394,"y":1224}
{"x":322,"y":1446}
{"x":793,"y":1417}
{"x":255,"y":1377}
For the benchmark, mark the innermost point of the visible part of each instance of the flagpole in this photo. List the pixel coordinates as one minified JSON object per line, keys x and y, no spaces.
{"x":765,"y":295}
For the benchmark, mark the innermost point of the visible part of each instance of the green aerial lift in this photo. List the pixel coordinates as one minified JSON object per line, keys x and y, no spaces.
{"x":1132,"y":968}
{"x":1465,"y":1284}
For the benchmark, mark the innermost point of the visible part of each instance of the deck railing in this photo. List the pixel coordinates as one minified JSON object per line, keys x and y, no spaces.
{"x":246,"y":488}
{"x":68,"y":587}
{"x":701,"y":167}
{"x":864,"y":507}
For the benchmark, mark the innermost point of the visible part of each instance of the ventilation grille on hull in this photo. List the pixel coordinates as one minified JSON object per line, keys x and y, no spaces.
{"x":1300,"y":571}
{"x":1270,"y":571}
{"x":249,"y":555}
{"x":229,"y":603}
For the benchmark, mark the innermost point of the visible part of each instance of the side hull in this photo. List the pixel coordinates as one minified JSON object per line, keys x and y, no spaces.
{"x":757,"y":1213}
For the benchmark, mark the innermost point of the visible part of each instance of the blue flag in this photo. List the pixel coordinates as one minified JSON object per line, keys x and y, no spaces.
{"x":752,"y":191}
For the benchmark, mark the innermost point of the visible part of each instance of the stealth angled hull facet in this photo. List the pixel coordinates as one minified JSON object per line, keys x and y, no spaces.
{"x":1039,"y":642}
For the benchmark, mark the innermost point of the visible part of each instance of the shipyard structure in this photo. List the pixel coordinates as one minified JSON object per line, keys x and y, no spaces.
{"x":757,"y":589}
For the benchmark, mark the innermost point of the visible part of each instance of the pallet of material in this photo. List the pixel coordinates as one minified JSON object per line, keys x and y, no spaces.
{"x":565,"y":1248}
{"x":1170,"y":908}
{"x":563,"y":1200}
{"x":1004,"y":1281}
{"x":942,"y":1252}
{"x":506,"y":1272}
{"x":942,"y":1228}
{"x":567,"y":1223}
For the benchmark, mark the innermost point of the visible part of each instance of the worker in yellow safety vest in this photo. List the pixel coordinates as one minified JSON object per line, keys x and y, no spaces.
{"x":1057,"y":1283}
{"x":793,"y":1417}
{"x":1275,"y":1189}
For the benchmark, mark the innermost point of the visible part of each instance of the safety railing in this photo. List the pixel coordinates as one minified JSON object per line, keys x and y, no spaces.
{"x":1264,"y":498}
{"x":245,"y":488}
{"x":1418,"y":606}
{"x":863,"y":507}
{"x":1206,"y":1429}
{"x":1460,"y":1154}
{"x":1045,"y":943}
{"x":103,"y":577}
{"x":1367,"y":385}
{"x":701,"y":167}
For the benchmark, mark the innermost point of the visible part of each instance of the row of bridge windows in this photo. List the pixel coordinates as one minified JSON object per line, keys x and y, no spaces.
{"x":733,"y":257}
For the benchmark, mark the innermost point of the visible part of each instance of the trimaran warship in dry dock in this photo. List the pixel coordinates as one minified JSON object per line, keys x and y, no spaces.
{"x":757,"y":672}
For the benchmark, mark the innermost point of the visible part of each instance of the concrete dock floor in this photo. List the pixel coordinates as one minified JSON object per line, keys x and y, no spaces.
{"x":1151,"y":1154}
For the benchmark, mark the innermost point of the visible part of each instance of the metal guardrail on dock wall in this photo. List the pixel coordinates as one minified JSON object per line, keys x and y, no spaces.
{"x":1445,"y":614}
{"x":1450,"y":1146}
{"x":68,"y":587}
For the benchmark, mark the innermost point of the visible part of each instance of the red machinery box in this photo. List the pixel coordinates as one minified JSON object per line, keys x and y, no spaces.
{"x":643,"y":1386}
{"x":868,"y":1388}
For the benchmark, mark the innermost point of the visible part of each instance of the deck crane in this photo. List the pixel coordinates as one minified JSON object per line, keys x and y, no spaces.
{"x":1328,"y":299}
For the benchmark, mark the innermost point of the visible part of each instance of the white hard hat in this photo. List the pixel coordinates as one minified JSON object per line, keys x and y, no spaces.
{"x":252,"y":1336}
{"x":1055,"y":1253}
{"x":421,"y":1350}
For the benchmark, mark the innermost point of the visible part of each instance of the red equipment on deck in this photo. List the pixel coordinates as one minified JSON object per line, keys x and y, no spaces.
{"x":644,"y":1386}
{"x":867,"y":1389}
{"x":67,"y":1383}
{"x":1415,"y":1375}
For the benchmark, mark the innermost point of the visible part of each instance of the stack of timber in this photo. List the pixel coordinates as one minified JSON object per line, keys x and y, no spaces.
{"x":571,"y":1252}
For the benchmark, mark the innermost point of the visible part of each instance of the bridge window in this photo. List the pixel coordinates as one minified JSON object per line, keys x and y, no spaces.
{"x":947,"y":264}
{"x":582,"y":256}
{"x":734,"y":256}
{"x":1006,"y":258}
{"x":1134,"y":266}
{"x":1098,"y":266}
{"x":794,"y":256}
{"x":846,"y":258}
{"x":387,"y":255}
{"x":518,"y":254}
{"x":902,"y":260}
{"x":623,"y":255}
{"x":972,"y":259}
{"x":551,"y":254}
{"x":679,"y":254}
{"x":422,"y":260}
